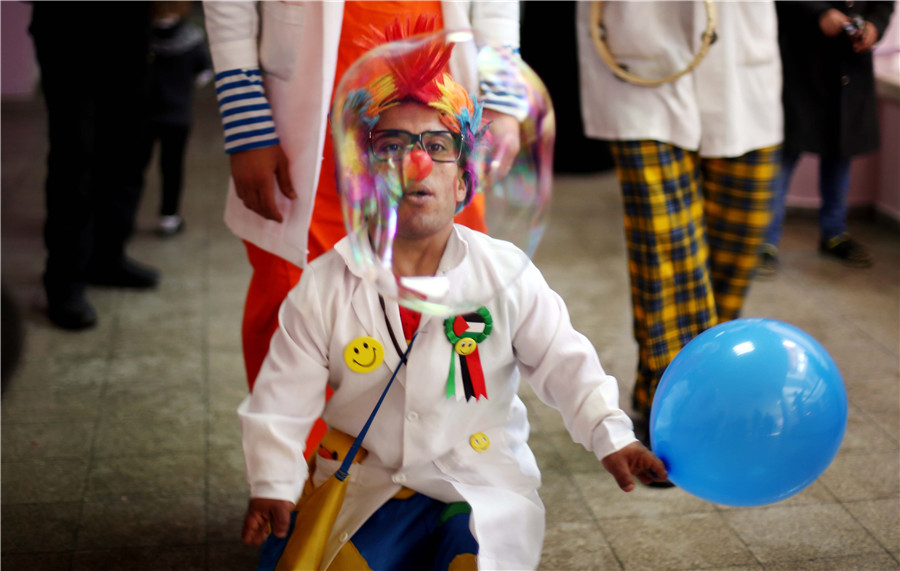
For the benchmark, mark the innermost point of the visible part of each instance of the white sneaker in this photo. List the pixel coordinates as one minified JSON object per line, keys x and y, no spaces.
{"x":169,"y":225}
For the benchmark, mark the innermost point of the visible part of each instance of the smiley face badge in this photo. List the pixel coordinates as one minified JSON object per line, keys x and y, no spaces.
{"x":364,"y":354}
{"x":465,"y":332}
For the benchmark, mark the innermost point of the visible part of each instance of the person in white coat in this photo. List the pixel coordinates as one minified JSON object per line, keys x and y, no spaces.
{"x":696,"y":157}
{"x":427,"y":443}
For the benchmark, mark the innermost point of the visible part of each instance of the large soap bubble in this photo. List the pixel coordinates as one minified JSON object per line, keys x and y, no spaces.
{"x":511,"y":189}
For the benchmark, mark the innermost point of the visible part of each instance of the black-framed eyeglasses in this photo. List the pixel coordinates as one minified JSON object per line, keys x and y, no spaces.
{"x":441,"y":146}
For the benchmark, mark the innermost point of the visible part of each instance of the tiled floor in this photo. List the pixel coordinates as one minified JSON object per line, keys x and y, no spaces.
{"x":120,"y":446}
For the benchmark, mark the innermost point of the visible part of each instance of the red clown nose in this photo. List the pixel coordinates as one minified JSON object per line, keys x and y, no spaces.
{"x":417,"y":165}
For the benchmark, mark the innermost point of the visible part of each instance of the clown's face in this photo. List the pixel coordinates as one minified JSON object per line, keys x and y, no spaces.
{"x":431,"y":189}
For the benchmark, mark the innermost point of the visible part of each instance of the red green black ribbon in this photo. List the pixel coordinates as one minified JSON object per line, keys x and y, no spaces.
{"x":470,"y":365}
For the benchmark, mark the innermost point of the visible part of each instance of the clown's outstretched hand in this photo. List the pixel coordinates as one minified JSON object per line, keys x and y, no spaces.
{"x":635,"y":460}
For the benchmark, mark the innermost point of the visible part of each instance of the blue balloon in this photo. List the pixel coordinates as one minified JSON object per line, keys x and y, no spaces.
{"x":748,"y":413}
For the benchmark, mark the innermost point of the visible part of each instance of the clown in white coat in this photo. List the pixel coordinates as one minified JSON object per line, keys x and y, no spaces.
{"x":471,"y":450}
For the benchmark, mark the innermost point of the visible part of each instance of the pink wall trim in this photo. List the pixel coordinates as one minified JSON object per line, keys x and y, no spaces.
{"x":18,"y":68}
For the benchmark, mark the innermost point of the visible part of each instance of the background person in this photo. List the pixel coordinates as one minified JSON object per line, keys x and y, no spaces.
{"x":696,"y":160}
{"x":829,"y":110}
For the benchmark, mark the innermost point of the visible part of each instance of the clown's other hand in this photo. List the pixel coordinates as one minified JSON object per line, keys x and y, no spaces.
{"x":505,"y":142}
{"x":635,"y":460}
{"x":261,"y":512}
{"x":254,"y":172}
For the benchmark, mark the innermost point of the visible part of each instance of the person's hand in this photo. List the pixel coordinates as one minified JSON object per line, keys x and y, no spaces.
{"x":505,"y":143}
{"x":635,"y":460}
{"x":261,"y":512}
{"x":254,"y":173}
{"x":866,"y":40}
{"x":832,"y":22}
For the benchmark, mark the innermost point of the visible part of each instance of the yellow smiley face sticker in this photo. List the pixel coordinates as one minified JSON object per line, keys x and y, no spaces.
{"x":364,"y":354}
{"x":480,"y":442}
{"x":465,"y":346}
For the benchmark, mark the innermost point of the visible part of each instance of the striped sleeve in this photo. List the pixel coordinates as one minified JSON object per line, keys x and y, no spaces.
{"x":500,"y":87}
{"x":246,"y":114}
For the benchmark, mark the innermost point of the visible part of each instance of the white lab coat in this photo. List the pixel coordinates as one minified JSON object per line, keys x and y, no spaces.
{"x":296,"y":44}
{"x":729,"y":105}
{"x":421,"y":439}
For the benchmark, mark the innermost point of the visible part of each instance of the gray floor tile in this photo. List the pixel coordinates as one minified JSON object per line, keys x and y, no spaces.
{"x":157,"y":370}
{"x":232,"y":556}
{"x":881,"y":518}
{"x":225,"y":516}
{"x":692,"y":541}
{"x":878,"y":399}
{"x":62,"y":373}
{"x":865,"y":435}
{"x":139,"y":437}
{"x":126,"y":522}
{"x":39,"y":527}
{"x":225,"y":473}
{"x":141,"y":477}
{"x":47,"y":441}
{"x":572,"y":545}
{"x":49,"y":405}
{"x":781,"y":534}
{"x":36,"y":561}
{"x":124,"y":401}
{"x":43,"y":481}
{"x":163,"y":558}
{"x":865,"y":562}
{"x":854,"y":477}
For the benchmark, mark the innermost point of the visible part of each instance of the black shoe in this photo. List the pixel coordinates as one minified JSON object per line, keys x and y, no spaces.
{"x":124,"y":273}
{"x":768,"y":262}
{"x":74,"y":313}
{"x":847,"y":250}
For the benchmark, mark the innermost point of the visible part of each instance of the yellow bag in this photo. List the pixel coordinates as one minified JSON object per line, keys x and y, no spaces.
{"x":318,"y":508}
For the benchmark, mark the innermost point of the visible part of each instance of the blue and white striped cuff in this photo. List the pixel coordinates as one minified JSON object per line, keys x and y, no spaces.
{"x":501,"y":90}
{"x":246,"y":115}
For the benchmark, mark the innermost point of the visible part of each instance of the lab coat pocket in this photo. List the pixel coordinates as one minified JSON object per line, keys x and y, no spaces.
{"x":282,"y":28}
{"x":491,"y":458}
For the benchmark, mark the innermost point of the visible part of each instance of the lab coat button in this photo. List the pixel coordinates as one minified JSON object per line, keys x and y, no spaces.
{"x":412,"y":416}
{"x":480,"y":442}
{"x":399,"y":478}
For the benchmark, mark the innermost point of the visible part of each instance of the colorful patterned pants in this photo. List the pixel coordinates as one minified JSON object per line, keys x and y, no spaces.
{"x":693,"y":227}
{"x":409,"y":532}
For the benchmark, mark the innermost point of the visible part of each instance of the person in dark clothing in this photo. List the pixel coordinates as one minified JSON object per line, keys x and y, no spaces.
{"x":179,"y":62}
{"x":93,"y":63}
{"x":829,"y":110}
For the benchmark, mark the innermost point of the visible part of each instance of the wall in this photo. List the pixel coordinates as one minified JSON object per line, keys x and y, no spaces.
{"x":18,"y":68}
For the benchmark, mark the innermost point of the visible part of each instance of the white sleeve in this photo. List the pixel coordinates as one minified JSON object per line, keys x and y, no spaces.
{"x":562,"y":366}
{"x":288,"y":396}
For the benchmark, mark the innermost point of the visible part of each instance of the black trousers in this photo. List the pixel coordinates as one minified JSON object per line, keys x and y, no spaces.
{"x":172,"y":144}
{"x":94,"y":71}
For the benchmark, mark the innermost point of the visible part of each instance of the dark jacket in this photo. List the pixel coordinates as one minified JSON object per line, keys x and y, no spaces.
{"x":829,"y":91}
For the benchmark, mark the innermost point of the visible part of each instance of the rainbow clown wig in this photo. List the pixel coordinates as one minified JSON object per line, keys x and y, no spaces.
{"x":407,"y":66}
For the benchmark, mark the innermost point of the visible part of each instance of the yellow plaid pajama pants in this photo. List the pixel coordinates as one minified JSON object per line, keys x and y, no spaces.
{"x":693,"y":227}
